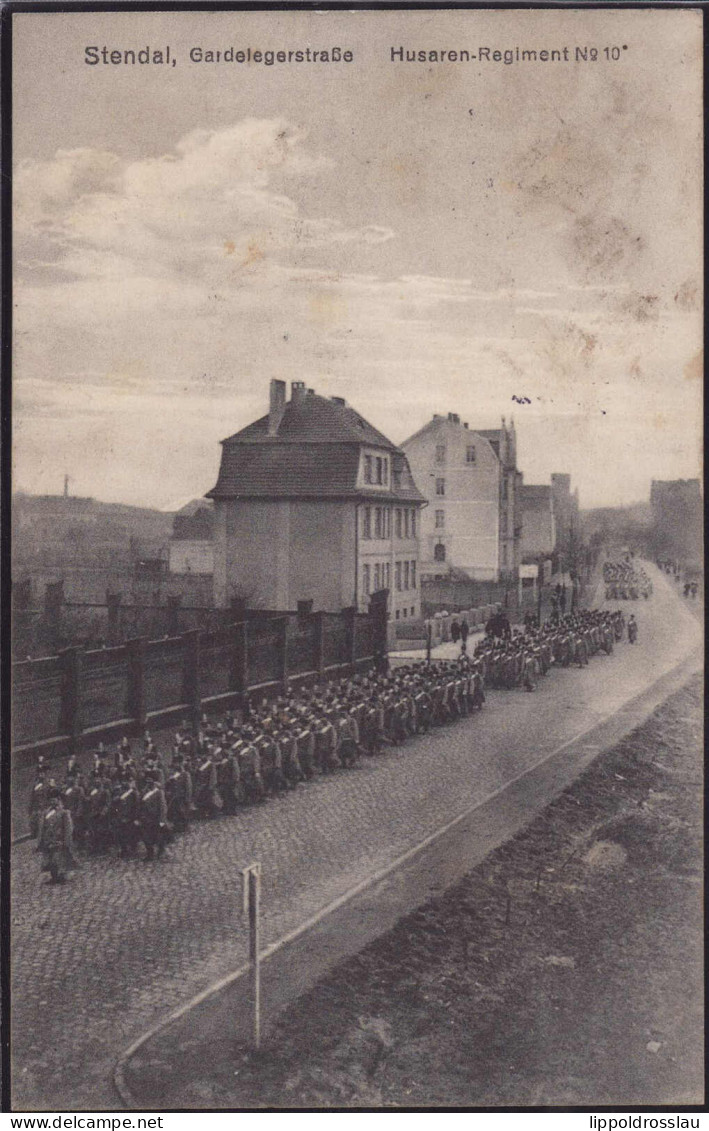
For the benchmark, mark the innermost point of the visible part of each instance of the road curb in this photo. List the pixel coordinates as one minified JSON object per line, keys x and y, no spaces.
{"x":640,"y":705}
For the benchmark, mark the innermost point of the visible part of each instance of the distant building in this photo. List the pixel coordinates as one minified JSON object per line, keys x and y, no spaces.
{"x":191,"y":546}
{"x":538,"y":525}
{"x":677,"y":519}
{"x":470,"y":480}
{"x":565,"y":503}
{"x":313,"y":503}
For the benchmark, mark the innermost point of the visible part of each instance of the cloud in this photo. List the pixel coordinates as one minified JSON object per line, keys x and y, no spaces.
{"x":157,"y":297}
{"x":99,"y":216}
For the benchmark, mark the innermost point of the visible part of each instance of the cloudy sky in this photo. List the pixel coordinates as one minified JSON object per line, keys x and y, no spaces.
{"x":418,"y":238}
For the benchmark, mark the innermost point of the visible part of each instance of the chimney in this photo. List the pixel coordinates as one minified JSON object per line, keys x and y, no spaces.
{"x":466,"y":424}
{"x":277,"y":406}
{"x":297,"y":391}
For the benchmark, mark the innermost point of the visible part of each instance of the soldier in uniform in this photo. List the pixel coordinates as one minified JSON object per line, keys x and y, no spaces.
{"x":74,"y":796}
{"x":98,"y":803}
{"x":206,"y":798}
{"x":39,"y":798}
{"x":178,"y":794}
{"x":124,"y":815}
{"x":250,"y":766}
{"x":55,"y":838}
{"x":152,"y":817}
{"x":306,"y":744}
{"x":325,"y":743}
{"x":288,"y":741}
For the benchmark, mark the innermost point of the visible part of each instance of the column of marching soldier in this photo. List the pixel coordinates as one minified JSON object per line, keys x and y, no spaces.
{"x":626,"y":581}
{"x":136,"y":795}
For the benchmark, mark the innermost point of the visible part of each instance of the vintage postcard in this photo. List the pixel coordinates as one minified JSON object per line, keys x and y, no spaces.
{"x":357,"y":577}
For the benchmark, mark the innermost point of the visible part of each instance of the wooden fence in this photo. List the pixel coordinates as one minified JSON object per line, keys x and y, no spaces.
{"x":64,"y":703}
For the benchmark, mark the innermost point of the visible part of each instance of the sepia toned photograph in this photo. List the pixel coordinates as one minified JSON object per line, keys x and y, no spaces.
{"x":357,"y":560}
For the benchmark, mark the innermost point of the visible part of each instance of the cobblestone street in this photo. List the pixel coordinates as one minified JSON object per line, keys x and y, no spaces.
{"x":95,"y":963}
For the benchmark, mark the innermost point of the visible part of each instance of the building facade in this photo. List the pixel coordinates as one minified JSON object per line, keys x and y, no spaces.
{"x":677,"y":520}
{"x":538,"y":525}
{"x":314,"y":504}
{"x":565,"y":503}
{"x":470,"y":480}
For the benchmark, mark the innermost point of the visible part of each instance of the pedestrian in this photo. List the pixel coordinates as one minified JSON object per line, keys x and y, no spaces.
{"x":455,"y":631}
{"x":632,"y":629}
{"x":464,"y":633}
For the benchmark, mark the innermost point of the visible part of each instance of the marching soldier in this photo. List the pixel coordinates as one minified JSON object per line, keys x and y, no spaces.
{"x":124,"y":816}
{"x":206,"y":798}
{"x":250,"y":767}
{"x":178,"y":794}
{"x":55,"y":838}
{"x":154,"y":830}
{"x":39,"y":798}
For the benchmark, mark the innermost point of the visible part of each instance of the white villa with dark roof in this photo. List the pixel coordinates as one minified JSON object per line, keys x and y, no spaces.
{"x":313,"y":503}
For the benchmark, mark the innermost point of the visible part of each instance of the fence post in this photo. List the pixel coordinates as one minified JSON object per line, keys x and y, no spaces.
{"x":349,"y":616}
{"x":242,"y":659}
{"x":283,"y":654}
{"x":113,"y":605}
{"x":174,"y":600}
{"x":320,"y":645}
{"x":71,"y":696}
{"x":53,"y":603}
{"x":190,"y":677}
{"x":137,"y":707}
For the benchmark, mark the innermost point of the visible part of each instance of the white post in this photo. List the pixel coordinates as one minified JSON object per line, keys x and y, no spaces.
{"x":251,"y":887}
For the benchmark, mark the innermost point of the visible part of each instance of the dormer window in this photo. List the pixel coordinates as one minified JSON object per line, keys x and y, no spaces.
{"x":374,"y":470}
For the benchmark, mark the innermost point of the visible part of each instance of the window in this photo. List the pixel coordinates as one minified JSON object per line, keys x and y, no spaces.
{"x":440,"y":519}
{"x":405,"y":611}
{"x":406,"y":575}
{"x":365,"y":580}
{"x":398,"y":522}
{"x":413,"y":524}
{"x":367,"y":522}
{"x":470,"y":454}
{"x":397,"y":575}
{"x":413,"y":575}
{"x":377,"y":578}
{"x":387,"y":575}
{"x":367,"y":469}
{"x":406,"y":524}
{"x":387,"y":522}
{"x":439,"y":552}
{"x":380,"y":470}
{"x":386,"y":471}
{"x":504,"y":555}
{"x":440,"y":486}
{"x":398,"y":613}
{"x":413,"y":611}
{"x":504,"y":487}
{"x":440,"y":453}
{"x":379,"y":522}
